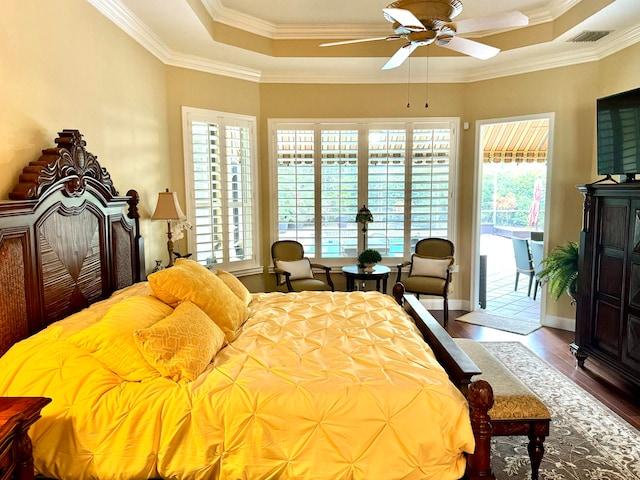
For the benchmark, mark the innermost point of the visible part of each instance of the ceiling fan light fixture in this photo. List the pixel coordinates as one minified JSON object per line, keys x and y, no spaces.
{"x":425,"y":37}
{"x":443,"y":40}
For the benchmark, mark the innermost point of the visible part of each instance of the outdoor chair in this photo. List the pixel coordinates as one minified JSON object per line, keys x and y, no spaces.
{"x":430,"y":270}
{"x":295,"y":272}
{"x":536,"y":248}
{"x":524,"y":263}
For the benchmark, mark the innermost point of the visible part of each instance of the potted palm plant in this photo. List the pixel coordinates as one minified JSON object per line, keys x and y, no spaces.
{"x":368,"y":258}
{"x":560,"y":270}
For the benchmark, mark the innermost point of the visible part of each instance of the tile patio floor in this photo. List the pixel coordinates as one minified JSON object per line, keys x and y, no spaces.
{"x":501,"y":275}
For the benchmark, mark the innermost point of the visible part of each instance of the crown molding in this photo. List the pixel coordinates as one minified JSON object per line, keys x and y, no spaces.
{"x":132,"y":26}
{"x":209,"y":66}
{"x":249,"y":23}
{"x":233,"y":18}
{"x":242,"y":21}
{"x":330,"y":76}
{"x":613,"y":44}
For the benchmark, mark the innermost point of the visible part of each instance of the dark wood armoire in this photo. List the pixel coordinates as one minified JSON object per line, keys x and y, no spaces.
{"x":608,"y":300}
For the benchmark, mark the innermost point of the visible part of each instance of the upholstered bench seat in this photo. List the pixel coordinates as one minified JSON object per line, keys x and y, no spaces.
{"x":516,"y":409}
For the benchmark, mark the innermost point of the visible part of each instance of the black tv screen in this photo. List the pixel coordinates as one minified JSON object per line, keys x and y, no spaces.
{"x":618,"y":134}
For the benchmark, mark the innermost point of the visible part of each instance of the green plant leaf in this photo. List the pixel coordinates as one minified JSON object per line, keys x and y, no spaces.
{"x":369,"y":256}
{"x":560,"y":269}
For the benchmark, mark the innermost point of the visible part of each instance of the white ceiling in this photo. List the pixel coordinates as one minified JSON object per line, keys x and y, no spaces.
{"x":182,"y":32}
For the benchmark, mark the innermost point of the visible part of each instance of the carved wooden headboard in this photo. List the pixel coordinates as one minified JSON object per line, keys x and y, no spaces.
{"x":67,"y":239}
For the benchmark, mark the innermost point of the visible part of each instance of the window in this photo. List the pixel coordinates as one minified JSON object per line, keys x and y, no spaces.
{"x":220,"y":167}
{"x":324,"y":172}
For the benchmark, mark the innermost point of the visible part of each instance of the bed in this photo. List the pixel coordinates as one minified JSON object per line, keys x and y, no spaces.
{"x":185,"y":374}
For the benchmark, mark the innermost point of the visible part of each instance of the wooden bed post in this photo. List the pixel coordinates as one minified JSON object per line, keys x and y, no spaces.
{"x":398,"y":293}
{"x":133,"y":214}
{"x":480,"y":402}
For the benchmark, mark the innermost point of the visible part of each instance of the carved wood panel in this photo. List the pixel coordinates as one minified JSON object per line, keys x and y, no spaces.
{"x":607,"y":327}
{"x":610,"y":280}
{"x":632,"y":342}
{"x":613,"y":230}
{"x":13,"y":289}
{"x":71,"y":262}
{"x":634,"y":285}
{"x":123,"y":250}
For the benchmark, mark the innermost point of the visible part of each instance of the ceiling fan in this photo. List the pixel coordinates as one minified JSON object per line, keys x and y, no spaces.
{"x":423,"y":22}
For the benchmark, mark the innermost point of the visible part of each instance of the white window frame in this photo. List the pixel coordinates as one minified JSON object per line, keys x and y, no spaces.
{"x":363,"y":126}
{"x":252,"y":265}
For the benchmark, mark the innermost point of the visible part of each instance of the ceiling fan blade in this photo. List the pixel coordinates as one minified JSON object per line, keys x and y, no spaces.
{"x":494,"y":22}
{"x":400,"y":56}
{"x":360,"y":40}
{"x":468,"y":47}
{"x":404,"y":18}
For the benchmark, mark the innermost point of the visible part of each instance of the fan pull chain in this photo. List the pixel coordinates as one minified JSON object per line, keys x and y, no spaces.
{"x":426,"y":94}
{"x":409,"y":85}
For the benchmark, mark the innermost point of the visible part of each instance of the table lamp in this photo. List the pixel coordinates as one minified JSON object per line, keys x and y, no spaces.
{"x":364,"y":216}
{"x":168,"y":209}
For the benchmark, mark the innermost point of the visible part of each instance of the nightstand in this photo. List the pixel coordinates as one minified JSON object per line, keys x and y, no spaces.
{"x":16,"y":416}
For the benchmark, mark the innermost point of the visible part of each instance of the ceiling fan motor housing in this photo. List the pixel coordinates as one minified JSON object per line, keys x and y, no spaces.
{"x":432,"y":13}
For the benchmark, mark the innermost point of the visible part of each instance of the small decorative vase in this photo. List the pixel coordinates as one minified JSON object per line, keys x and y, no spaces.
{"x":158,"y":266}
{"x":368,"y":267}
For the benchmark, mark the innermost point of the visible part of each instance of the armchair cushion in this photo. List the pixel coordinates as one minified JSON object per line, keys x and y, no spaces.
{"x":298,"y":269}
{"x":430,"y":266}
{"x":426,"y":285}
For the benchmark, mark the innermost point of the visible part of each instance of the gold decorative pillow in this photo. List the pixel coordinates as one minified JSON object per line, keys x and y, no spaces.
{"x":187,"y":280}
{"x":430,"y":266}
{"x":235,"y":285}
{"x":110,"y":340}
{"x":181,"y":345}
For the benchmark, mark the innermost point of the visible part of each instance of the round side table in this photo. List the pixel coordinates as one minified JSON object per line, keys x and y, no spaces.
{"x":353,"y":273}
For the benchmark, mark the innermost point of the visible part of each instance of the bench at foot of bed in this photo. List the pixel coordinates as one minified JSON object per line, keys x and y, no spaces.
{"x":516,"y":409}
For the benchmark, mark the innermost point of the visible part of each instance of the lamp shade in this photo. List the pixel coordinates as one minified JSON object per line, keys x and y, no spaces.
{"x":364,"y":215}
{"x":168,"y":207}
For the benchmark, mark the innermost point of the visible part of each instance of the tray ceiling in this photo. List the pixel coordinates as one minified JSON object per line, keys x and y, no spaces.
{"x":278,"y":41}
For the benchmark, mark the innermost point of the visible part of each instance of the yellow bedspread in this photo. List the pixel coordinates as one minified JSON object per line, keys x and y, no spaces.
{"x":317,"y":385}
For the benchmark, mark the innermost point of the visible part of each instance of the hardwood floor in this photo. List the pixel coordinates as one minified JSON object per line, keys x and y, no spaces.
{"x":552,"y":345}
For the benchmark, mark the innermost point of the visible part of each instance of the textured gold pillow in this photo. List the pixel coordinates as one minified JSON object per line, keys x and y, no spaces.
{"x":187,"y":280}
{"x":181,"y":345}
{"x":110,"y":340}
{"x":235,"y":285}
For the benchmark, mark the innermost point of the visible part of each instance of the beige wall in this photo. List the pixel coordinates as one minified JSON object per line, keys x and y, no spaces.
{"x":619,"y":72}
{"x":64,"y":65}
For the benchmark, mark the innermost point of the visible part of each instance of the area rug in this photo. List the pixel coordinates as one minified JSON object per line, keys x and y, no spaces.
{"x":488,"y":319}
{"x":587,"y":439}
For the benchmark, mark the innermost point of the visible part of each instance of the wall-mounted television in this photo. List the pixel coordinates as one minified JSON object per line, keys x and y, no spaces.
{"x":618,"y":134}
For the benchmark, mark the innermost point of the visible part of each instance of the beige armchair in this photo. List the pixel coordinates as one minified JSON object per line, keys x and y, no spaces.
{"x":295,"y":272}
{"x":430,"y":270}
